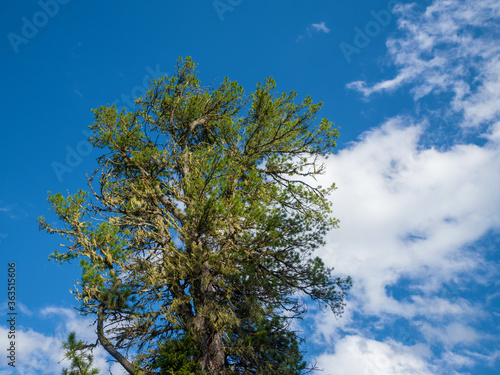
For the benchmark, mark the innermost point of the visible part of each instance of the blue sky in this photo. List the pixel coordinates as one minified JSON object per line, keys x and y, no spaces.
{"x":416,"y":93}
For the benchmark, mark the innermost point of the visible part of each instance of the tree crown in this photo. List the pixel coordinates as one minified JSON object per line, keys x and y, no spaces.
{"x":200,"y":227}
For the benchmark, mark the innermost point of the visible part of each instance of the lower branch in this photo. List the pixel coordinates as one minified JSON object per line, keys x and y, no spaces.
{"x":106,"y":344}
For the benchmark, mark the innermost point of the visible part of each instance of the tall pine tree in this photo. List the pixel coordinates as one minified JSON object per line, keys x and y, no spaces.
{"x":196,"y":239}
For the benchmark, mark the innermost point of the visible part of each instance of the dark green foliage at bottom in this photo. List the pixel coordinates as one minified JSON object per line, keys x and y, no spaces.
{"x":176,"y":358}
{"x":267,"y":349}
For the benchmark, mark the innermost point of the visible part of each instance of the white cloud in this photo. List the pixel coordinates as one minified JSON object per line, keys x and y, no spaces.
{"x":451,"y":335}
{"x":450,"y":47}
{"x":489,"y":359}
{"x":69,"y":321}
{"x":320,"y":27}
{"x":314,"y":28}
{"x":389,"y":190}
{"x":356,"y":355}
{"x":454,"y":360}
{"x":35,"y":353}
{"x":24,"y":309}
{"x":410,"y":213}
{"x":38,"y":353}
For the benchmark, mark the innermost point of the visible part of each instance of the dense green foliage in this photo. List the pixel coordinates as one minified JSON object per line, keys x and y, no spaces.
{"x":196,"y":242}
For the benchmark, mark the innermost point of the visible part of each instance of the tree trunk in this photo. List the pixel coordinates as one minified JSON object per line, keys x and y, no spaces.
{"x":212,"y":352}
{"x":212,"y":357}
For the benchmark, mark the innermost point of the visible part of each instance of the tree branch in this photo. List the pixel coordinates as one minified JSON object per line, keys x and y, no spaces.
{"x":106,"y":344}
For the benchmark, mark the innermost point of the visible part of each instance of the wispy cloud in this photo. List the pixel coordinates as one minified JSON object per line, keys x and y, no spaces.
{"x":13,"y":211}
{"x":314,"y":28}
{"x":320,"y":27}
{"x":450,"y":47}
